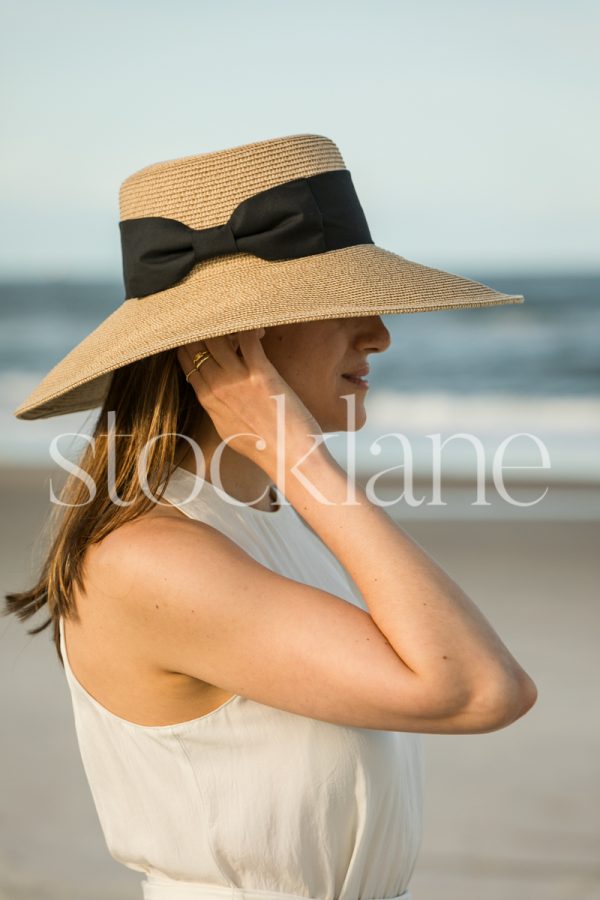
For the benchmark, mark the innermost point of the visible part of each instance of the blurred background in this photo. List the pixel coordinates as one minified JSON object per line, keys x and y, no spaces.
{"x":470,"y":134}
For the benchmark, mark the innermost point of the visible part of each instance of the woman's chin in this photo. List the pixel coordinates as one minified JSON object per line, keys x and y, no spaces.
{"x":347,"y":416}
{"x":353,"y":419}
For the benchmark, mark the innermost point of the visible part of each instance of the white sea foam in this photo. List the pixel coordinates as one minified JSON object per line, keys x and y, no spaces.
{"x":490,"y":412}
{"x":569,"y":427}
{"x":545,"y":438}
{"x":27,"y":442}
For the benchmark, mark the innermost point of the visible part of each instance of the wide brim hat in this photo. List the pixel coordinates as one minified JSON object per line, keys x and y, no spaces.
{"x":268,"y":233}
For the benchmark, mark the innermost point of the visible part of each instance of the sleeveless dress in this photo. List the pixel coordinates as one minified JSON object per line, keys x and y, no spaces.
{"x":250,"y":802}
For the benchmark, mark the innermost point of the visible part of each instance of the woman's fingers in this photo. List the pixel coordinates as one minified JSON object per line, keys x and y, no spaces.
{"x":226,"y":354}
{"x":222,"y":350}
{"x":185,"y":355}
{"x":226,"y":350}
{"x":185,"y":360}
{"x":251,"y":346}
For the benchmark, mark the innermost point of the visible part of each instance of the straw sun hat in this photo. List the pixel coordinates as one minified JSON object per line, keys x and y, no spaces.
{"x":263,"y":234}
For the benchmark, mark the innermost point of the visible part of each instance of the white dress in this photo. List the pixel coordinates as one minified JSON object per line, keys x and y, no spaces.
{"x":249,"y":802}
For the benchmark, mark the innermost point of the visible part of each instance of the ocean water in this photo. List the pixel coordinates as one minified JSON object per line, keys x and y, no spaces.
{"x":530,"y":369}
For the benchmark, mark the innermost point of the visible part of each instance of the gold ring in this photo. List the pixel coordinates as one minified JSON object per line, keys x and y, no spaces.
{"x":200,"y":358}
{"x":189,"y":373}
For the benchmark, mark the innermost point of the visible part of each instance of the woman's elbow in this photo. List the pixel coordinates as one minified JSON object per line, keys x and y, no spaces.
{"x":506,"y":700}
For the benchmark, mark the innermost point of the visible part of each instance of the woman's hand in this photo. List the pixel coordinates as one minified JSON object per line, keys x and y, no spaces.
{"x":237,"y":387}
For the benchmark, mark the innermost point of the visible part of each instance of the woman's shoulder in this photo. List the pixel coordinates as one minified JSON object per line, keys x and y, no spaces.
{"x":142,"y":532}
{"x":120,"y":564}
{"x":153,"y":549}
{"x":144,"y":527}
{"x":108,"y":647}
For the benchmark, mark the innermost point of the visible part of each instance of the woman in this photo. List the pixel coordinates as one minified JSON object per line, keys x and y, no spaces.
{"x":253,"y":648}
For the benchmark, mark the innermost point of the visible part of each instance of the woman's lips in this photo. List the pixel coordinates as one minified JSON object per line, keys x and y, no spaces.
{"x":361,"y":382}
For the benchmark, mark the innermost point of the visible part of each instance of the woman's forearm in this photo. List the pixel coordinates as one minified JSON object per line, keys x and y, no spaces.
{"x":434,"y":628}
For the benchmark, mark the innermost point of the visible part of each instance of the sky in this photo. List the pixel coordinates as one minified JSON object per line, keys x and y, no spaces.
{"x":470,"y":127}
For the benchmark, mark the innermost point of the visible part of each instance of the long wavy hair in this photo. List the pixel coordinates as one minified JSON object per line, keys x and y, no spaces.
{"x":153,"y":407}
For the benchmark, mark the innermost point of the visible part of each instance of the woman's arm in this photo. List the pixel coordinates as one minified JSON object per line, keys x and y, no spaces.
{"x":423,"y":658}
{"x":437,"y":631}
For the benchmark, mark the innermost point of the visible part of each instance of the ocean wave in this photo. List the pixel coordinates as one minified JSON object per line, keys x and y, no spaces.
{"x":569,"y":427}
{"x":492,"y":412}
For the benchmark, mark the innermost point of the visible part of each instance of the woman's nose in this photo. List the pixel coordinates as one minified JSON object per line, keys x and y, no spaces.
{"x":374,"y":335}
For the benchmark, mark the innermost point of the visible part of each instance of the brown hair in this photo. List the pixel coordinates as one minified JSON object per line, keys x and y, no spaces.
{"x":150,"y":399}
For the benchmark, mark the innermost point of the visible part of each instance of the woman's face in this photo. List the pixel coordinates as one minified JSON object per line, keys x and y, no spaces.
{"x":313,"y":357}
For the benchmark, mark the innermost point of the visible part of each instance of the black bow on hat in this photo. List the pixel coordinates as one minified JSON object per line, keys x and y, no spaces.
{"x":297,"y":218}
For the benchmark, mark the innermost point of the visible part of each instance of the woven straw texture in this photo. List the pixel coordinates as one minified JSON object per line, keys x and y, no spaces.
{"x":241,"y":291}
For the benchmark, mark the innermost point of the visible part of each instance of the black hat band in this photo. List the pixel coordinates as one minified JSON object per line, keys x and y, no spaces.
{"x":298,"y":218}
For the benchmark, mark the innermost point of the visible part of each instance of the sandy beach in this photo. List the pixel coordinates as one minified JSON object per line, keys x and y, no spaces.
{"x":512,"y":813}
